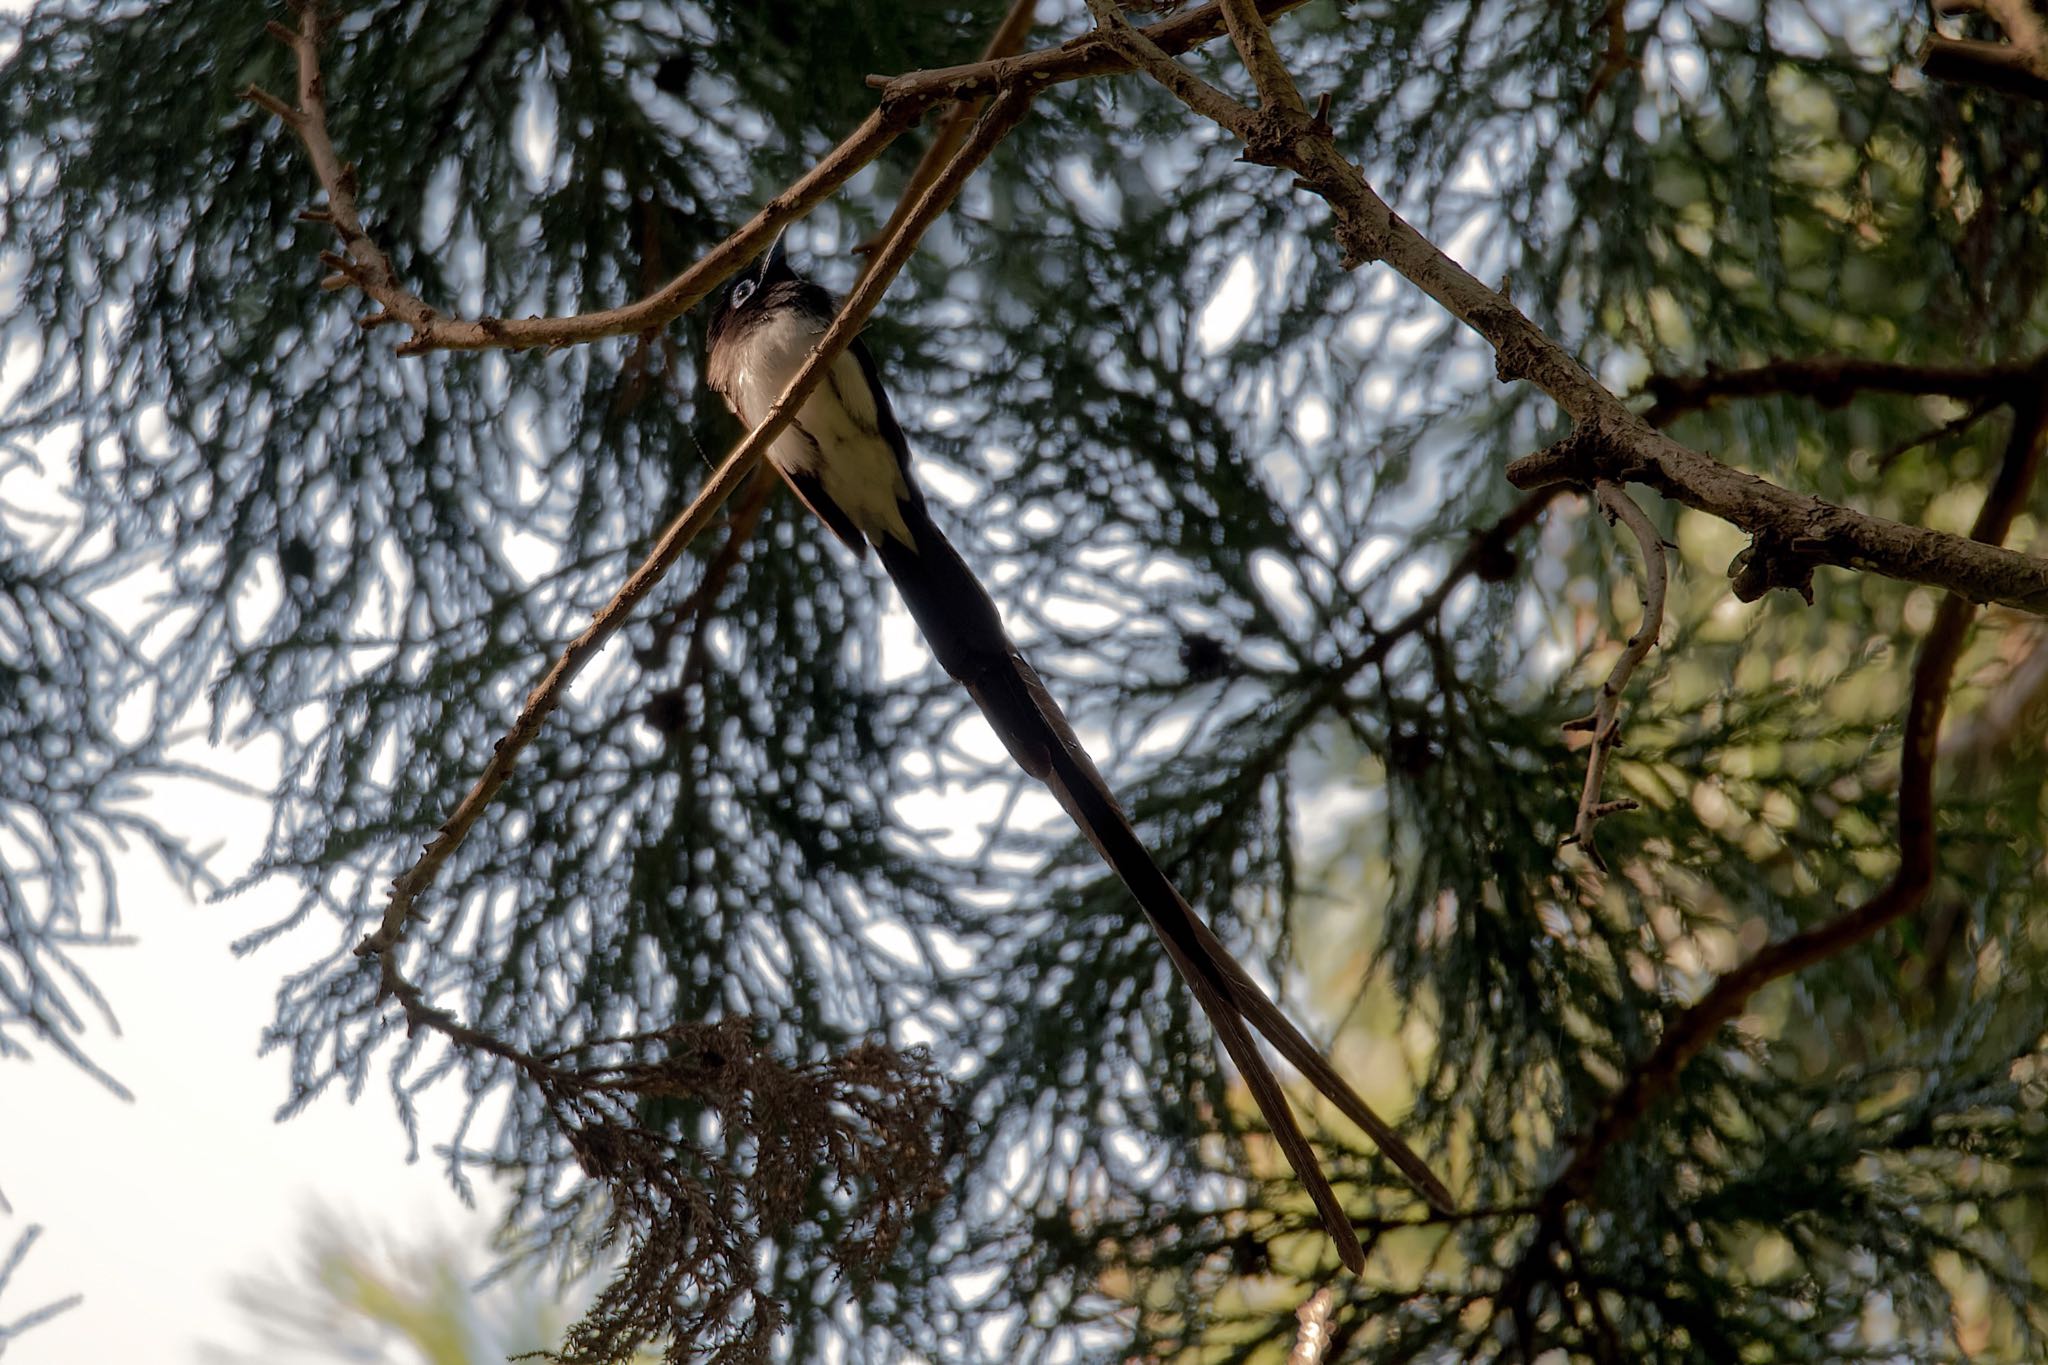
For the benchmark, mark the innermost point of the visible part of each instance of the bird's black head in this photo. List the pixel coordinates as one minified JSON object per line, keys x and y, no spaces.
{"x":750,"y":288}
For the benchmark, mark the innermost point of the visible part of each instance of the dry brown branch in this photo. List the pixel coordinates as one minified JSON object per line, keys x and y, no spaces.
{"x":905,"y":100}
{"x":1605,"y":722}
{"x":1909,"y":884}
{"x":2018,"y":66}
{"x":1254,"y":44}
{"x":1614,"y":56}
{"x":364,"y":264}
{"x":2023,"y":26}
{"x":1144,"y":53}
{"x":1609,"y":441}
{"x":1007,"y":41}
{"x":1003,"y":115}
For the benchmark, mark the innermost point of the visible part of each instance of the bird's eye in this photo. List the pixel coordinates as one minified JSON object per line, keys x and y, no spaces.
{"x":741,"y":292}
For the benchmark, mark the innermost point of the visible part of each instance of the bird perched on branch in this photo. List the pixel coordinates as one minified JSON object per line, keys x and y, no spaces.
{"x":845,"y":457}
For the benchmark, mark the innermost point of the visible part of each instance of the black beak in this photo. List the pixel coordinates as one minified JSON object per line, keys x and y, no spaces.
{"x":777,"y":258}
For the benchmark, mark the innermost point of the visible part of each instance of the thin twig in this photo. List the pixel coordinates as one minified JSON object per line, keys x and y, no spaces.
{"x":1008,"y":108}
{"x":1605,"y":722}
{"x":367,"y":267}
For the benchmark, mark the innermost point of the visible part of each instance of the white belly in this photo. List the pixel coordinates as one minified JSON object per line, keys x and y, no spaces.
{"x":836,"y":435}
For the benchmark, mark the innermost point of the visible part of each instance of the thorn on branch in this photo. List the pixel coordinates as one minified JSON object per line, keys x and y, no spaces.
{"x":1320,"y":123}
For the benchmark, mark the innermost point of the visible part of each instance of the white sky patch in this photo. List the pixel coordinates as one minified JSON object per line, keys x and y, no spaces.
{"x":1080,"y":614}
{"x":258,"y":594}
{"x":1412,"y":583}
{"x":951,"y":953}
{"x":972,"y":737}
{"x":529,"y":555}
{"x":939,"y":814}
{"x":1164,"y":737}
{"x":1367,"y":558}
{"x":1682,"y":69}
{"x":902,"y":649}
{"x":533,"y":133}
{"x":1282,"y":586}
{"x":1311,"y":420}
{"x":1098,"y":198}
{"x":1413,"y":333}
{"x":953,"y":487}
{"x":1224,"y":316}
{"x":894,"y":940}
{"x":1473,"y":175}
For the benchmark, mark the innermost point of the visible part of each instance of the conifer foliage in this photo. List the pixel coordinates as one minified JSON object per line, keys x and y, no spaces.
{"x":1532,"y":504}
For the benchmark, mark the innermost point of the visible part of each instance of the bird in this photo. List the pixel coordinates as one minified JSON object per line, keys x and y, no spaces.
{"x":846,"y":459}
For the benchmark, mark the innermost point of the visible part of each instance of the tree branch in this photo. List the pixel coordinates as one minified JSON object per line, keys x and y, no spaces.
{"x":1605,"y":722}
{"x":1794,"y":530}
{"x":1007,"y":40}
{"x":905,"y":100}
{"x":1909,"y":885}
{"x":2018,"y":66}
{"x":1008,"y":109}
{"x":1254,"y":44}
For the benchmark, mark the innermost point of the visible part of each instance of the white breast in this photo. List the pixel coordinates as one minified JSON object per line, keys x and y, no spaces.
{"x":835,"y":436}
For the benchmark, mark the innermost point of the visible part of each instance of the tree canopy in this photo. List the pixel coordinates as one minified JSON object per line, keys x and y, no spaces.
{"x":1334,"y":454}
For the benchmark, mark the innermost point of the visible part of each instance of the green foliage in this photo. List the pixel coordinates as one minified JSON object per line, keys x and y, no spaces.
{"x":373,"y":559}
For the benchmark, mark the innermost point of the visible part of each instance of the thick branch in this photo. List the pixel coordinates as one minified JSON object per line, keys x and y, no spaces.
{"x":1003,"y":115}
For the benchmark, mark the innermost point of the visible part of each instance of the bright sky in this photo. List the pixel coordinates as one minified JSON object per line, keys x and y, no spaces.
{"x":151,"y":1208}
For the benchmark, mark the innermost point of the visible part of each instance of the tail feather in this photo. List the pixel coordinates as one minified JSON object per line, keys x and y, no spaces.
{"x":965,"y":632}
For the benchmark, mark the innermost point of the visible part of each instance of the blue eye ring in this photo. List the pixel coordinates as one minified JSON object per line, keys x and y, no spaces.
{"x":741,"y":292}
